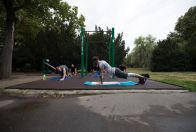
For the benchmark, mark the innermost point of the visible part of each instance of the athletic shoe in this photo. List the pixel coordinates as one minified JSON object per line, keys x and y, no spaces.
{"x":145,"y":75}
{"x":142,"y":80}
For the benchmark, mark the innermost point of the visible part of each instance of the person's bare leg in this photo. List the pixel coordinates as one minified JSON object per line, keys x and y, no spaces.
{"x":141,"y":79}
{"x":134,"y":75}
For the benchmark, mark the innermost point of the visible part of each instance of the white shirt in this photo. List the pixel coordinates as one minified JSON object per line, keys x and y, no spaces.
{"x":104,"y":65}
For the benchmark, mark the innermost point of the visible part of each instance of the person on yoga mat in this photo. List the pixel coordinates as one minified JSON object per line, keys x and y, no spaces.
{"x":63,"y":71}
{"x":113,"y":71}
{"x":73,"y":70}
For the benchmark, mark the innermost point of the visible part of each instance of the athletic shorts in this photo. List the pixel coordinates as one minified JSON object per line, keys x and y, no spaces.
{"x":120,"y":74}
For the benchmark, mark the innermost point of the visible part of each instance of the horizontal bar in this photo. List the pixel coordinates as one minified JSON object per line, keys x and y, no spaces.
{"x":97,"y":42}
{"x":97,"y":31}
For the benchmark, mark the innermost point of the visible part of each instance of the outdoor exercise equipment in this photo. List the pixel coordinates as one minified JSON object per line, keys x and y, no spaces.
{"x":84,"y":52}
{"x":50,"y":66}
{"x":45,"y":68}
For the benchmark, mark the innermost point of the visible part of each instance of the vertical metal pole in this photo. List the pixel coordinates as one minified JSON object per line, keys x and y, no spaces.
{"x":43,"y":66}
{"x":86,"y":59}
{"x":113,"y":48}
{"x":109,"y":52}
{"x":82,"y":51}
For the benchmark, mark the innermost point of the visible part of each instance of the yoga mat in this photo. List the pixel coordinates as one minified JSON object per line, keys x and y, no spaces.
{"x":58,"y":78}
{"x":127,"y":83}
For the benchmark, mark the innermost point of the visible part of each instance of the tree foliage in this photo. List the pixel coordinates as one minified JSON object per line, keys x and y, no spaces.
{"x":178,"y":51}
{"x":50,"y":29}
{"x":168,"y":56}
{"x":31,"y":19}
{"x":120,"y":50}
{"x":142,"y":53}
{"x":186,"y":25}
{"x":186,"y":28}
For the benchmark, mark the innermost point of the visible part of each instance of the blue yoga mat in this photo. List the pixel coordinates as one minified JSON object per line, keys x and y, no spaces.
{"x":127,"y":83}
{"x":58,"y":78}
{"x":95,"y":75}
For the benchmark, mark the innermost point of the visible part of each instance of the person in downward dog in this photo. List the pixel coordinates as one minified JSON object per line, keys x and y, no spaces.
{"x":103,"y":66}
{"x":63,"y":71}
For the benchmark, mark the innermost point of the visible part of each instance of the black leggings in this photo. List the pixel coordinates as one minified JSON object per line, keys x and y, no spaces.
{"x":120,"y":74}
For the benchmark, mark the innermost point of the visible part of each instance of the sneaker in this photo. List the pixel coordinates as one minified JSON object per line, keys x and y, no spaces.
{"x":145,"y":75}
{"x":142,"y":80}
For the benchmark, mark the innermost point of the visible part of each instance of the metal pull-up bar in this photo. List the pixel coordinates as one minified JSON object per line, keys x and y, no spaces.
{"x":84,"y":55}
{"x":99,"y":31}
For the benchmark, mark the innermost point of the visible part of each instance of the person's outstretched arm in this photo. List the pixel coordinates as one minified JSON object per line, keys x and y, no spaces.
{"x":64,"y":74}
{"x":101,"y":75}
{"x":76,"y":71}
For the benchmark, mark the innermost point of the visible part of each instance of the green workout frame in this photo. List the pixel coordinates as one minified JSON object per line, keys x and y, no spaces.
{"x":84,"y":52}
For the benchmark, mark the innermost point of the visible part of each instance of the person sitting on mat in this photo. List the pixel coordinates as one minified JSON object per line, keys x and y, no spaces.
{"x":113,"y":71}
{"x":73,"y":70}
{"x":63,"y":71}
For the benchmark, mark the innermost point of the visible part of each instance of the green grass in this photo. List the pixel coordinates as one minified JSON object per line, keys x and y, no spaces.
{"x":185,"y":79}
{"x":190,"y":85}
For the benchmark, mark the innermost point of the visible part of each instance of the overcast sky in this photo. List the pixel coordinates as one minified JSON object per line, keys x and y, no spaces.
{"x":133,"y":17}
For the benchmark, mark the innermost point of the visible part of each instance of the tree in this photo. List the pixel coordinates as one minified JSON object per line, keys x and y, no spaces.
{"x":56,"y":41}
{"x":2,"y":26}
{"x":191,"y":50}
{"x":120,"y":50}
{"x":33,"y":16}
{"x":168,"y":56}
{"x":178,"y":51}
{"x":142,"y":53}
{"x":186,"y":25}
{"x":6,"y":63}
{"x":128,"y":60}
{"x":186,"y":28}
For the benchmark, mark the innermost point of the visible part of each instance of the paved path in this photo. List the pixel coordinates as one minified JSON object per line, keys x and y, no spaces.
{"x":19,"y":78}
{"x":138,"y":112}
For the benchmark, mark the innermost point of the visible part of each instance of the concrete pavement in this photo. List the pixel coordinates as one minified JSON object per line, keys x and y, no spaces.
{"x":19,"y":78}
{"x":138,"y":112}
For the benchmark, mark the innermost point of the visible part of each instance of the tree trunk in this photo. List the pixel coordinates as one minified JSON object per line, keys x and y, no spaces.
{"x":6,"y":66}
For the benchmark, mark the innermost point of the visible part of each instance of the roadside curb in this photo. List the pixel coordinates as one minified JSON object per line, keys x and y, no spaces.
{"x":83,"y":92}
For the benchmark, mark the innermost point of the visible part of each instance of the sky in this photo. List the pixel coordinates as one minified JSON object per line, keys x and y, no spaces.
{"x":133,"y":17}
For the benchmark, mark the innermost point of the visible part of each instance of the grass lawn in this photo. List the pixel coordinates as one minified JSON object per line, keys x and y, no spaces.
{"x":184,"y":79}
